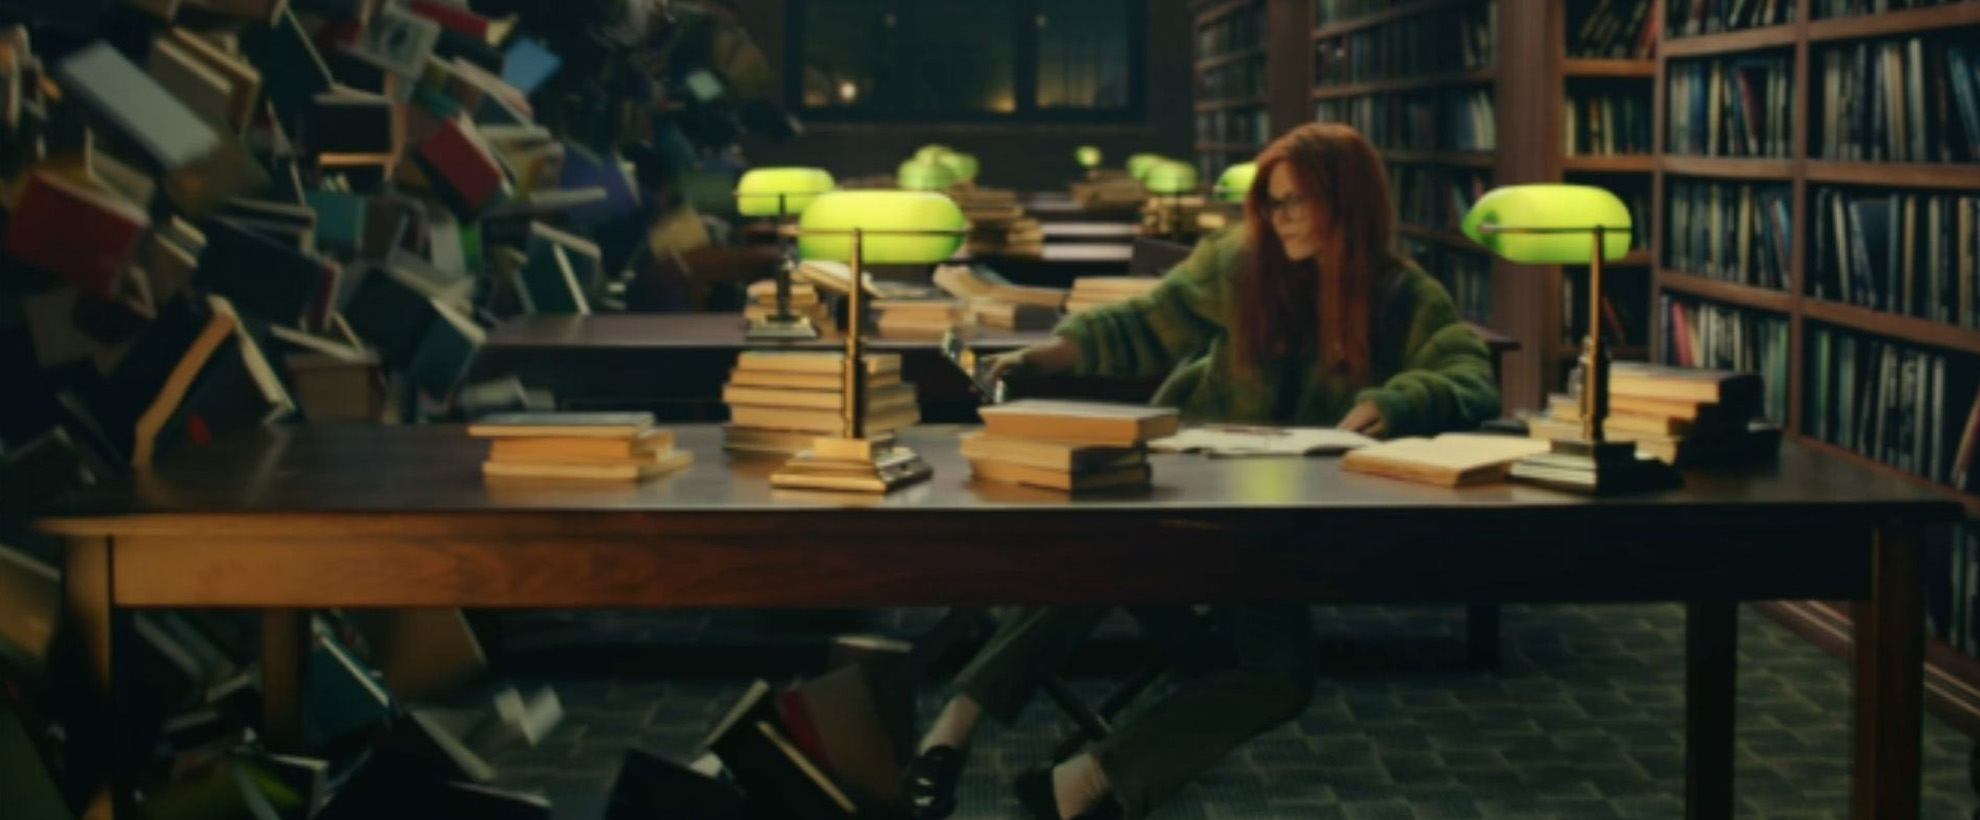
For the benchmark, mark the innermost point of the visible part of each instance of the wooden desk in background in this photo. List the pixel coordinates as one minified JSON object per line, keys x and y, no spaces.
{"x":674,"y":364}
{"x":287,"y":520}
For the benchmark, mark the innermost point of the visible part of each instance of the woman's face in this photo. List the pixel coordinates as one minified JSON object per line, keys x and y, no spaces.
{"x":1291,"y":214}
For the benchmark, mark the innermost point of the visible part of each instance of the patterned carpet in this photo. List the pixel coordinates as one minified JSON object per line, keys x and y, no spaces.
{"x":1584,"y":721}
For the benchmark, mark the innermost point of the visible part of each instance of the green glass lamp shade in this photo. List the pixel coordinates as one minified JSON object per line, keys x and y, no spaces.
{"x":1138,"y":165}
{"x":1573,"y":210}
{"x":776,"y":192}
{"x":933,"y":151}
{"x":1171,"y":177}
{"x":924,"y":175}
{"x":1088,"y":155}
{"x":961,"y":164}
{"x":1235,"y":183}
{"x":820,"y":229}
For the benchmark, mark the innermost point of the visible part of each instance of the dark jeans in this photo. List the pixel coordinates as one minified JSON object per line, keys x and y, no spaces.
{"x":1267,"y":681}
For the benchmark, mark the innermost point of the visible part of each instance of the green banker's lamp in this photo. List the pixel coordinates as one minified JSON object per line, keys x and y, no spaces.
{"x":859,"y":227}
{"x":919,"y":174}
{"x":1088,"y":156}
{"x":962,"y":166}
{"x":780,"y":194}
{"x":1171,"y":179}
{"x":1235,"y":182}
{"x":1138,"y":164}
{"x":1558,"y":224}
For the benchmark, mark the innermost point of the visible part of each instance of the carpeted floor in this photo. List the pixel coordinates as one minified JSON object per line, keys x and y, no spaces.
{"x":1584,"y":721}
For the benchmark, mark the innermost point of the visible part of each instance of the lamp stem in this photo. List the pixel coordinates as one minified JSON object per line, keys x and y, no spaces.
{"x":784,"y":270}
{"x":1595,"y":370}
{"x":855,"y":387}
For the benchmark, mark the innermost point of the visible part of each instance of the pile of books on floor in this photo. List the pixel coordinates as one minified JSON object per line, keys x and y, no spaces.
{"x":1109,"y":190}
{"x":804,"y":302}
{"x":780,"y":400}
{"x":1089,"y":292}
{"x":1072,"y":446}
{"x":993,"y":302}
{"x":578,"y":446}
{"x":1683,"y":417}
{"x":1164,"y":215}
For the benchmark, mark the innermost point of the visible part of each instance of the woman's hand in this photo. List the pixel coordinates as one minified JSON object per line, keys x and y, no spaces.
{"x":1045,"y":359}
{"x":1365,"y":419}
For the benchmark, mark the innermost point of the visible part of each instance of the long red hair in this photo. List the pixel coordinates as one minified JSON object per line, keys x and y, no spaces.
{"x":1286,"y":307}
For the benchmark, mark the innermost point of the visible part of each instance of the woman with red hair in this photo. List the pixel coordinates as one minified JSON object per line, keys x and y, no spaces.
{"x":1306,"y":316}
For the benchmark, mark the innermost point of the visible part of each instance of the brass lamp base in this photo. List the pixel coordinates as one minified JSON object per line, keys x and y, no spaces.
{"x":1595,"y":469}
{"x":852,"y":465}
{"x":780,"y":329}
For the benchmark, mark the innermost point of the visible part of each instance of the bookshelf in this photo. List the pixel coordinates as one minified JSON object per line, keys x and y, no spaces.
{"x":1881,"y":364}
{"x":1248,"y":59}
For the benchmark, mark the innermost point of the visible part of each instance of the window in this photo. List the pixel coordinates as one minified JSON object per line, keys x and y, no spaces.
{"x":966,"y":59}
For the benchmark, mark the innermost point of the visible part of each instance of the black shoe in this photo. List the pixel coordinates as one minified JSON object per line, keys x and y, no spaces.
{"x":930,"y":782}
{"x":1033,"y":789}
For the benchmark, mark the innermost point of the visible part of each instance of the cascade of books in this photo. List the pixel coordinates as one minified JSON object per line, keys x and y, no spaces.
{"x":1071,"y":446}
{"x":1685,"y":418}
{"x":780,"y":400}
{"x":994,"y":302}
{"x":578,"y":446}
{"x":1089,"y":292}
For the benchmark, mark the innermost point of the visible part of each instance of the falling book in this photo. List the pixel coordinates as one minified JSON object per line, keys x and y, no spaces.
{"x":1449,"y":460}
{"x":1089,"y":422}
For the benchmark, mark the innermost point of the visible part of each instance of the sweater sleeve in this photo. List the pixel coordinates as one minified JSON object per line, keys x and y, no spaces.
{"x":1177,"y":319}
{"x":1446,"y":380}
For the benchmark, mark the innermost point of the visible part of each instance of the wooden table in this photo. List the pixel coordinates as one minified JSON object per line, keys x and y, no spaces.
{"x":1120,"y":232}
{"x":287,"y":520}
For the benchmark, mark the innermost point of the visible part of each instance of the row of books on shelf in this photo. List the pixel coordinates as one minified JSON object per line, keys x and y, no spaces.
{"x":1423,"y":44}
{"x":1737,"y":232}
{"x":1612,"y":29}
{"x":1466,"y":275}
{"x":1738,"y":107}
{"x":1912,"y":100}
{"x":1243,"y":78}
{"x":1718,"y":337}
{"x":1335,"y":11}
{"x":1436,"y":196}
{"x":1236,"y":31}
{"x":1906,"y":406}
{"x":1908,"y":253}
{"x":1952,"y":572}
{"x":1686,"y":18}
{"x":1623,"y":307}
{"x":1852,"y":8}
{"x":1606,"y":123}
{"x":1436,"y":120}
{"x":1244,"y":126}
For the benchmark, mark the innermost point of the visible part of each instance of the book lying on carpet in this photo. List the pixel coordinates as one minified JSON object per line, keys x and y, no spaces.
{"x":1121,"y":425}
{"x":835,"y":721}
{"x":648,"y":786}
{"x":1245,"y":440}
{"x":1449,"y":460}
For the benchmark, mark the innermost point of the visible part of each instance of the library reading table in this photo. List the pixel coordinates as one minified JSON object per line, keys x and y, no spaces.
{"x":284,"y":520}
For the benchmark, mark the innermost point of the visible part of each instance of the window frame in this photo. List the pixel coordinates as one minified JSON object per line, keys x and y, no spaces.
{"x":896,"y":108}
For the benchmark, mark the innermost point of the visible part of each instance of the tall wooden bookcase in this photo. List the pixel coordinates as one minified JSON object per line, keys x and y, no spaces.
{"x":1953,"y":675}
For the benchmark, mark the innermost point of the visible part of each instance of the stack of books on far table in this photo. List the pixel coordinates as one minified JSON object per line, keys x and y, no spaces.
{"x":581,"y":446}
{"x":917,"y":318}
{"x":804,"y":302}
{"x":1089,"y":292}
{"x":1109,"y":190}
{"x":1682,"y":417}
{"x":996,"y":303}
{"x":1072,"y":446}
{"x":779,"y":401}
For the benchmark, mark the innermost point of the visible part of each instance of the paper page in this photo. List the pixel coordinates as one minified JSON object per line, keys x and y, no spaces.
{"x":1240,"y":440}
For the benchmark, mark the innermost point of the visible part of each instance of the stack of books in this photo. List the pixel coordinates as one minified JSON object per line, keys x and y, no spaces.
{"x":994,"y":302}
{"x":1684,"y":418}
{"x":1109,"y":190}
{"x":1071,"y":446}
{"x":998,"y":225}
{"x":779,"y":401}
{"x":580,"y":446}
{"x":804,"y":302}
{"x":926,"y":318}
{"x":1163,"y":215}
{"x":1089,"y":292}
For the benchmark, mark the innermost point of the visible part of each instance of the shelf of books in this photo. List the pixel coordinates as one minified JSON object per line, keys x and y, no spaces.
{"x":1817,"y":221}
{"x":1418,"y":80}
{"x":1233,"y":105}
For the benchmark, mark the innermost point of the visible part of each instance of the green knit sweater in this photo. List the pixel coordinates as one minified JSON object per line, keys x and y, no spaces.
{"x":1431,"y":373}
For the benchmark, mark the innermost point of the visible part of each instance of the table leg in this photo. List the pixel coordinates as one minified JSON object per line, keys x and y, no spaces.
{"x":284,"y":635}
{"x":1711,"y":641}
{"x":1890,"y":671}
{"x":86,"y":585}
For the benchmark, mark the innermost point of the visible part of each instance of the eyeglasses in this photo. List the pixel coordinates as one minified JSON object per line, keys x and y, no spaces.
{"x":1294,"y":208}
